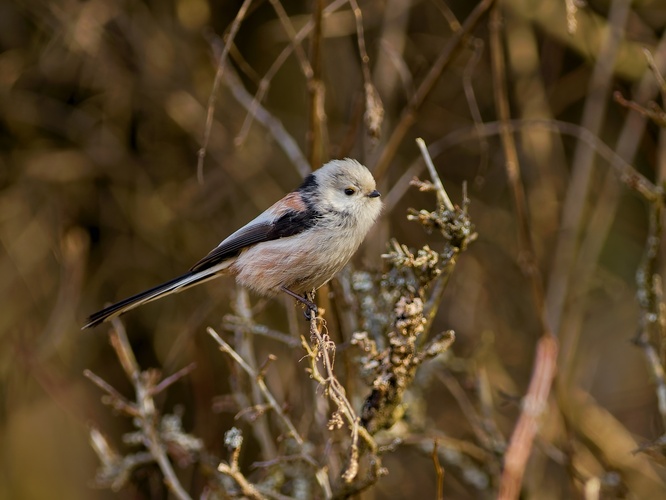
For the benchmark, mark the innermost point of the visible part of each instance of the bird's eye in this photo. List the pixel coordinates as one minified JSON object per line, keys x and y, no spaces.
{"x":350,"y":191}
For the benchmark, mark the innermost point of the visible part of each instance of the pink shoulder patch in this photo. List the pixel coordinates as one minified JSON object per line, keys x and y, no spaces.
{"x":293,"y":201}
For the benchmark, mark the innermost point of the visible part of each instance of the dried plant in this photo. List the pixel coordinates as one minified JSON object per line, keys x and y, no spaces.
{"x":411,"y":288}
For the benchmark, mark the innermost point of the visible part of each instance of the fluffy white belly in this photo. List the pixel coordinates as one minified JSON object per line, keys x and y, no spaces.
{"x":300,"y":263}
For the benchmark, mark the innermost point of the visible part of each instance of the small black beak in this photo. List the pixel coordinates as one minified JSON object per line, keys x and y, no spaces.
{"x":374,"y":194}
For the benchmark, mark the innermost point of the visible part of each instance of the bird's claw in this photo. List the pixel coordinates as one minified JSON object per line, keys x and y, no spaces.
{"x":311,"y":312}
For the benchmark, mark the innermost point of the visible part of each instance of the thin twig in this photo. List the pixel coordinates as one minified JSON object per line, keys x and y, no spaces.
{"x":534,"y":405}
{"x":449,"y":16}
{"x":247,"y":488}
{"x":408,"y":116}
{"x":235,"y":26}
{"x":608,"y":195}
{"x":264,"y":84}
{"x":282,"y":137}
{"x":116,"y":400}
{"x":144,"y":384}
{"x":171,"y":379}
{"x":650,"y":299}
{"x":231,"y":321}
{"x":120,"y":343}
{"x":536,"y":399}
{"x":158,"y":451}
{"x":527,"y":259}
{"x":332,"y":383}
{"x":442,"y":195}
{"x":306,"y":67}
{"x":374,"y":111}
{"x":258,"y":380}
{"x":626,"y":172}
{"x":576,"y":199}
{"x":439,"y":471}
{"x":656,"y":72}
{"x":653,"y":112}
{"x":468,"y":410}
{"x":316,"y":89}
{"x":225,"y":347}
{"x":473,"y":105}
{"x":324,"y":350}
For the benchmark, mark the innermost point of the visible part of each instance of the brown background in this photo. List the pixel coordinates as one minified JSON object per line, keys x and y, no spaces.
{"x":102,"y":112}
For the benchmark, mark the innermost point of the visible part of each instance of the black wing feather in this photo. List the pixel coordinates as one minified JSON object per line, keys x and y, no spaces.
{"x":289,"y":224}
{"x":249,"y":236}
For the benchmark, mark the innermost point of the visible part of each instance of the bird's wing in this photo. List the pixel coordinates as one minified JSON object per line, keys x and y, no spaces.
{"x":231,"y":247}
{"x":288,"y":217}
{"x":285,"y":218}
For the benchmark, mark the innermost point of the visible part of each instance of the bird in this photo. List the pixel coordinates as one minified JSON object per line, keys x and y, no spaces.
{"x":296,"y":245}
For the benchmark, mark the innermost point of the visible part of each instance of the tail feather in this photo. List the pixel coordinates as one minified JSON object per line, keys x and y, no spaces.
{"x":175,"y":285}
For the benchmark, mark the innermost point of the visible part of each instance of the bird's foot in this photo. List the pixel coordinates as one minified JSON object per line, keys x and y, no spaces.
{"x":311,"y":310}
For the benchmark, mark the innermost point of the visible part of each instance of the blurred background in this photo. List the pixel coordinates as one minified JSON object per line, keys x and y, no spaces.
{"x":103,"y":109}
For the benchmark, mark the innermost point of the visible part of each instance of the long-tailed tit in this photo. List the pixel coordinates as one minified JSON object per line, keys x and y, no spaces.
{"x":296,"y":245}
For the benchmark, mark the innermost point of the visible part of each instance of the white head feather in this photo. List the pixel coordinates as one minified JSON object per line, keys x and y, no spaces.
{"x":347,"y":187}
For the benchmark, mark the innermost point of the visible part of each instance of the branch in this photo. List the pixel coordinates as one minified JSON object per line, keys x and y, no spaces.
{"x":216,"y":85}
{"x":144,"y":413}
{"x":258,"y":379}
{"x":545,"y":364}
{"x":408,"y":116}
{"x":533,"y":406}
{"x":324,"y":350}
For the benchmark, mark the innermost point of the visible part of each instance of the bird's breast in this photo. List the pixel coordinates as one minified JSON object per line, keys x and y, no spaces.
{"x":300,"y":263}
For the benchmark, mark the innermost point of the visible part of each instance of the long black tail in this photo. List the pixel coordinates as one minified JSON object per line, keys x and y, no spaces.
{"x":175,"y":285}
